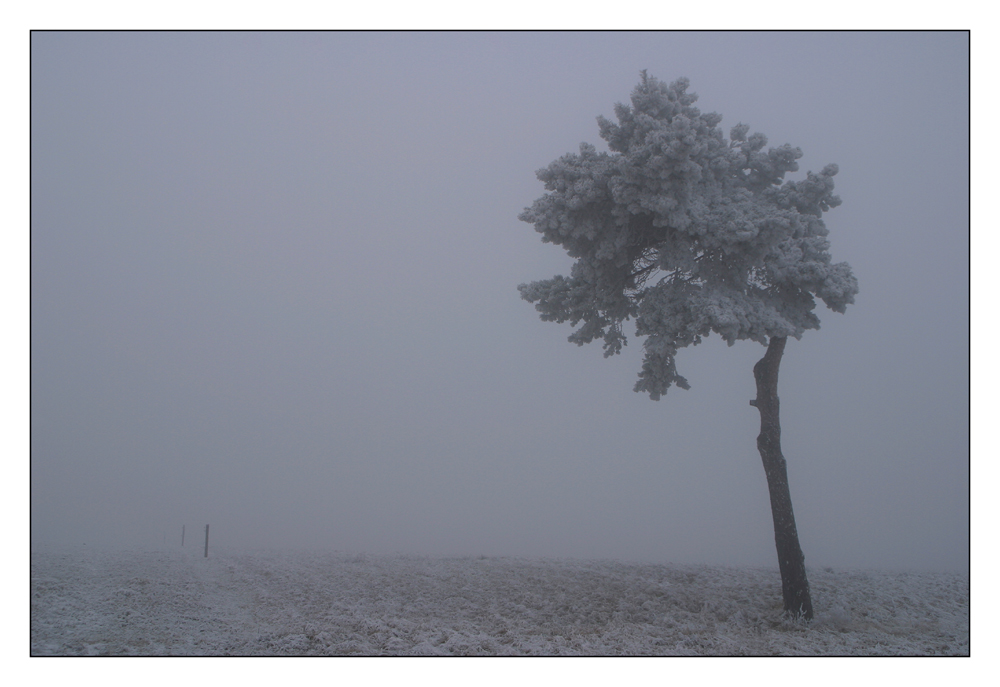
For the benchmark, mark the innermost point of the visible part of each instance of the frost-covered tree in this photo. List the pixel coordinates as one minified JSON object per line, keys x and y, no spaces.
{"x":687,"y":233}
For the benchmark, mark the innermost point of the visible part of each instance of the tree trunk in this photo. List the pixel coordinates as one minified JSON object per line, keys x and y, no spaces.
{"x":791,"y":562}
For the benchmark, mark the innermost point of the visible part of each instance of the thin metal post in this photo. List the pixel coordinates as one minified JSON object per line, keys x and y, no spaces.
{"x":206,"y":541}
{"x":182,"y":534}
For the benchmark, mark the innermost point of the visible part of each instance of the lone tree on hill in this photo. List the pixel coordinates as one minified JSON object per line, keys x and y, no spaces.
{"x":689,"y":233}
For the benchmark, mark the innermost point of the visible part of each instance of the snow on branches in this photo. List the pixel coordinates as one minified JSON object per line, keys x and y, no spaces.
{"x":686,"y":232}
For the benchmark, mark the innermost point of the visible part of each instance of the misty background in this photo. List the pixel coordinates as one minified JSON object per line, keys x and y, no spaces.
{"x":274,"y":290}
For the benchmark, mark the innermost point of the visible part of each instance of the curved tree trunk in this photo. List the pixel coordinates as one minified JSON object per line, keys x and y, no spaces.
{"x":791,"y":562}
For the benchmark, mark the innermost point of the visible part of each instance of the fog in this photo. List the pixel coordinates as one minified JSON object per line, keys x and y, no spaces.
{"x":273,"y":282}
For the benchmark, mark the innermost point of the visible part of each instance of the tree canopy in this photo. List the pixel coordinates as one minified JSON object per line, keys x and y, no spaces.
{"x":685,"y":232}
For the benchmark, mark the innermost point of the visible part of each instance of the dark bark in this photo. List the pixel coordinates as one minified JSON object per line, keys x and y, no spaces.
{"x":791,"y":562}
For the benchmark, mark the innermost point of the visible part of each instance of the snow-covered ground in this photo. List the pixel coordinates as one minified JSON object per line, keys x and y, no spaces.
{"x":308,"y":603}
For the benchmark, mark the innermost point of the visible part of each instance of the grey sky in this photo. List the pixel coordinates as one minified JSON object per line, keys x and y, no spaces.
{"x":274,"y":289}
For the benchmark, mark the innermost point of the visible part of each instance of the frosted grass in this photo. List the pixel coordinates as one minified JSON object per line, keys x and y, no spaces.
{"x":308,"y":603}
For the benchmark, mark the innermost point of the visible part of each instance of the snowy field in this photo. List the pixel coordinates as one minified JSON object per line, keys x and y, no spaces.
{"x":306,"y":603}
